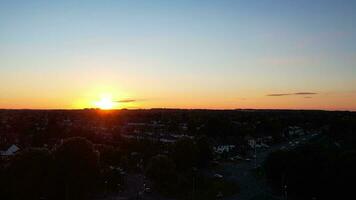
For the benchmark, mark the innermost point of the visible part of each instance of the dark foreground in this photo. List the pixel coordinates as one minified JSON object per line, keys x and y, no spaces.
{"x":176,"y":154}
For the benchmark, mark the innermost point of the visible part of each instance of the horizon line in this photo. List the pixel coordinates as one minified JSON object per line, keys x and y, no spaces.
{"x":172,"y":108}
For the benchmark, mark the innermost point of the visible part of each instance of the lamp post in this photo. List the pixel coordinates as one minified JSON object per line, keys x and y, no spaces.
{"x":284,"y":186}
{"x":255,"y":157}
{"x":194,"y":182}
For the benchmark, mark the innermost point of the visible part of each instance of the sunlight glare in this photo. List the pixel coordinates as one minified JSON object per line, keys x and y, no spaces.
{"x":105,"y":103}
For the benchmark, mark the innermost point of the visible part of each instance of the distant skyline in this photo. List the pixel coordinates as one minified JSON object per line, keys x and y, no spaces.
{"x":258,"y":54}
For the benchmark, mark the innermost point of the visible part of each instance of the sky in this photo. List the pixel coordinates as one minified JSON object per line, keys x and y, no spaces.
{"x":275,"y":54}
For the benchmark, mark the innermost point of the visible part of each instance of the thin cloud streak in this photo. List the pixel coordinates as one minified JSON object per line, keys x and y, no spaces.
{"x":126,"y":101}
{"x":278,"y":95}
{"x":290,"y":94}
{"x":129,"y":100}
{"x":305,"y":93}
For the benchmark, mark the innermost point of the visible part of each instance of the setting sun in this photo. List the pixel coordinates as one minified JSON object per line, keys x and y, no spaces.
{"x":105,"y":103}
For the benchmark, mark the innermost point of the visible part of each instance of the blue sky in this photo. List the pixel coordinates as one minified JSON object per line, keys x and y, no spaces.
{"x":211,"y":54}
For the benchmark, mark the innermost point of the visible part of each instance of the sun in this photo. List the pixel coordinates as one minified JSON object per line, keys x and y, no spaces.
{"x":105,"y":103}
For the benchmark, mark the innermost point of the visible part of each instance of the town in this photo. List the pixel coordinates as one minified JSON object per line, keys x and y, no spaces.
{"x":174,"y":154}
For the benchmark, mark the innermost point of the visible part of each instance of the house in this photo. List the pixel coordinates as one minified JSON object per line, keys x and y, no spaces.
{"x":223,"y":148}
{"x":252,"y":143}
{"x":295,"y":131}
{"x":10,"y":151}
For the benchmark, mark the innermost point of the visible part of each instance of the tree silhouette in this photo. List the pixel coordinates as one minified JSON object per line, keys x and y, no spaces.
{"x":76,"y":169}
{"x":28,"y":174}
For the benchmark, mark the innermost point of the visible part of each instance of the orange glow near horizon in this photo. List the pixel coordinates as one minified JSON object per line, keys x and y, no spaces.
{"x":120,"y":98}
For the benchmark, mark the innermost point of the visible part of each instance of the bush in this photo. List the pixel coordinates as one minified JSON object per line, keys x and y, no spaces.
{"x":161,"y":170}
{"x":312,"y":171}
{"x":76,"y":169}
{"x":205,"y":151}
{"x":185,"y":154}
{"x":28,"y":175}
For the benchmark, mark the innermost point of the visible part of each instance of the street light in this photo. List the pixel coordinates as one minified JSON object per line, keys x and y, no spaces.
{"x":284,"y":186}
{"x":194,"y":181}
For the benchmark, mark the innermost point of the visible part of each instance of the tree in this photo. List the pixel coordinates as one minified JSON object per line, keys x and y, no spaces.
{"x":109,"y":155}
{"x":28,"y":174}
{"x":76,"y":169}
{"x":344,"y":174}
{"x":276,"y":166}
{"x":185,"y":153}
{"x":205,"y":151}
{"x":161,"y":170}
{"x":313,"y":170}
{"x":113,"y":178}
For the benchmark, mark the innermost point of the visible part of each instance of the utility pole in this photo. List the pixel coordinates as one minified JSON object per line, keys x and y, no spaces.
{"x":194,"y":182}
{"x":284,"y":186}
{"x":255,"y":157}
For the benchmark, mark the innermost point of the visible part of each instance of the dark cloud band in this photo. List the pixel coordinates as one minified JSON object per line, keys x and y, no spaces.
{"x":277,"y":95}
{"x":290,"y":94}
{"x":305,"y":93}
{"x":126,"y":101}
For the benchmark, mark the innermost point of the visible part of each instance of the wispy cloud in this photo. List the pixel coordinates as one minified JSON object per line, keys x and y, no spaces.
{"x":129,"y":100}
{"x":305,"y":93}
{"x":278,"y":94}
{"x":126,"y":101}
{"x":290,"y":94}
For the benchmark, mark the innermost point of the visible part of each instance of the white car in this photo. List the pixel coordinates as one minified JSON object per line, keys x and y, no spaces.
{"x":148,"y":190}
{"x":218,"y":176}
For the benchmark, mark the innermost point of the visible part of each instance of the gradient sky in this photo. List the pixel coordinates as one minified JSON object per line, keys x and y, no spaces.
{"x":187,"y":54}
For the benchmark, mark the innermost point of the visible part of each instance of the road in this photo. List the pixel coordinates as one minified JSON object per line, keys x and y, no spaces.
{"x":252,"y":186}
